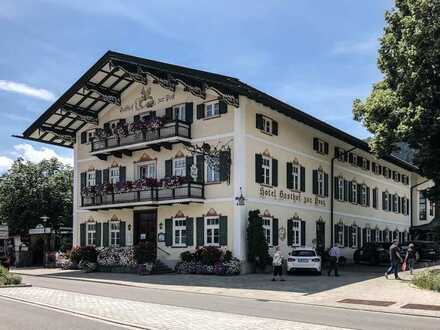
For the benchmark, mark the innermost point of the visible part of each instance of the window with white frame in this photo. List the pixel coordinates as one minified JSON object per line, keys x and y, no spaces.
{"x":341,"y":155}
{"x":377,"y":235}
{"x":91,"y":234}
{"x":320,"y":183}
{"x":321,"y":146}
{"x":364,"y":163}
{"x":422,"y":205}
{"x":114,"y":175}
{"x":213,"y":171}
{"x":355,"y":160}
{"x":212,"y":231}
{"x":387,"y":235}
{"x":395,"y":203}
{"x":354,"y":194}
{"x":146,"y":170}
{"x":296,"y":233}
{"x":368,"y":235}
{"x":386,"y":197}
{"x":91,"y":179}
{"x":179,"y":112}
{"x":115,"y":233}
{"x":179,"y":166}
{"x":295,"y":176}
{"x":341,"y":191}
{"x":90,"y":135}
{"x":341,"y":234}
{"x":363,"y":195}
{"x":395,"y":234}
{"x":267,"y":229}
{"x":267,"y":170}
{"x":354,"y":236}
{"x":267,"y":125}
{"x":212,"y":110}
{"x":179,"y":231}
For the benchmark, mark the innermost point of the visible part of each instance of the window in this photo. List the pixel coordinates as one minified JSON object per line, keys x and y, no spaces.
{"x":404,"y":205}
{"x":386,"y":197}
{"x":180,"y":166}
{"x":267,"y":125}
{"x":295,"y":177}
{"x":114,"y":175}
{"x":321,"y":146}
{"x":267,"y":170}
{"x":341,"y":188}
{"x":267,"y":228}
{"x":296,"y":228}
{"x":363,"y":200}
{"x":179,"y":232}
{"x":355,"y":160}
{"x":365,"y":164}
{"x":431,"y":208}
{"x":320,"y":183}
{"x":212,"y":231}
{"x":213,"y":171}
{"x":395,"y":203}
{"x":386,"y":171}
{"x":340,"y":235}
{"x":354,"y":236}
{"x":179,"y":112}
{"x":212,"y":110}
{"x":377,"y":235}
{"x":90,"y":135}
{"x":91,"y":234}
{"x":368,"y":235}
{"x":395,"y":234}
{"x":115,"y":233}
{"x":422,"y":205}
{"x":91,"y":179}
{"x":387,"y":236}
{"x":341,"y":155}
{"x":354,"y":194}
{"x":146,"y":170}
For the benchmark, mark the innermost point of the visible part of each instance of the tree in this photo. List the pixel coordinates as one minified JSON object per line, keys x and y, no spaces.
{"x":257,"y":247}
{"x":405,"y":105}
{"x":29,"y":191}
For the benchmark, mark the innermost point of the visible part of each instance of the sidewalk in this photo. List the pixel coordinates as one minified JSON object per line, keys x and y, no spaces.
{"x":369,"y":284}
{"x":146,"y":315}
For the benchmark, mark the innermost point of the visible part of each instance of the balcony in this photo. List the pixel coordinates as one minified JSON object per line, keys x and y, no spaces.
{"x":164,"y":136}
{"x":183,"y":193}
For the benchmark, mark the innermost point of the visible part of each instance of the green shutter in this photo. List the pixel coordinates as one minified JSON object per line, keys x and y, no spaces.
{"x":346,"y":236}
{"x":98,"y":234}
{"x":122,"y":233}
{"x":315,"y":182}
{"x":222,"y":107}
{"x":200,"y":168}
{"x":225,"y":163}
{"x":189,"y":112}
{"x":168,"y":232}
{"x":190,"y":231}
{"x":289,"y":175}
{"x":82,"y":234}
{"x":274,"y":172}
{"x":200,"y":231}
{"x":83,"y":179}
{"x":188,"y":163}
{"x":200,"y":111}
{"x":303,"y":233}
{"x":274,"y":127}
{"x":259,"y":174}
{"x":105,"y":234}
{"x":289,"y":232}
{"x":259,"y":121}
{"x":336,"y":238}
{"x":168,"y":168}
{"x":275,"y":232}
{"x":302,"y":179}
{"x":326,"y":184}
{"x":223,"y":230}
{"x":336,"y":185}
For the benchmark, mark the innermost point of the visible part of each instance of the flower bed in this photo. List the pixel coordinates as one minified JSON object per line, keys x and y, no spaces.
{"x":209,"y":261}
{"x":117,"y":257}
{"x":6,"y":278}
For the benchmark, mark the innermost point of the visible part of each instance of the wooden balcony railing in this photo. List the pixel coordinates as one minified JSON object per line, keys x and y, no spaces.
{"x":191,"y":190}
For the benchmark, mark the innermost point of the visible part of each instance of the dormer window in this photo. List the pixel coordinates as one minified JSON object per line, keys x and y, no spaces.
{"x":179,"y":112}
{"x":114,"y":175}
{"x":320,"y":146}
{"x":212,"y":110}
{"x":266,"y":125}
{"x":355,"y":160}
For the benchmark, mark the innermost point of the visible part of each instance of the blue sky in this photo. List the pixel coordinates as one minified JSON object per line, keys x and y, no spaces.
{"x":317,"y":55}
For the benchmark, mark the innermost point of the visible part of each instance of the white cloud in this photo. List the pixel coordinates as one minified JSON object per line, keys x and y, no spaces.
{"x":28,"y":152}
{"x":357,"y":47}
{"x":5,"y":163}
{"x":24,"y":89}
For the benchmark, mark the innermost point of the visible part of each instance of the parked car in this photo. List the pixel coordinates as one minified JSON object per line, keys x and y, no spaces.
{"x":373,"y":253}
{"x":425,"y":250}
{"x":304,"y":258}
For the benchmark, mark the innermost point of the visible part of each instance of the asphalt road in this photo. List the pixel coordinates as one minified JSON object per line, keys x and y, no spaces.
{"x":354,"y":319}
{"x":20,"y":316}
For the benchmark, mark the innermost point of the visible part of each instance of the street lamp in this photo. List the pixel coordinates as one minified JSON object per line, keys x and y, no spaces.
{"x":240,"y":199}
{"x":45,"y":218}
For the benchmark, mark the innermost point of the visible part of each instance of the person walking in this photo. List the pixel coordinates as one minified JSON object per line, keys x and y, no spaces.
{"x":410,"y":257}
{"x":334,"y":255}
{"x":395,"y":260}
{"x":277,"y":264}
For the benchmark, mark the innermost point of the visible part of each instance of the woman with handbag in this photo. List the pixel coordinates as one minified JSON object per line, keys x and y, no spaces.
{"x":410,"y":258}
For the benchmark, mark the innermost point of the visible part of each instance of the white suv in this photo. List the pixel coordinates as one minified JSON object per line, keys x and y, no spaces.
{"x":304,"y":258}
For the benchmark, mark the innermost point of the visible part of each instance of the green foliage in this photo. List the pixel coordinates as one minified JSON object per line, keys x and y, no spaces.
{"x":83,"y":253}
{"x":29,"y":191}
{"x":187,"y":256}
{"x":208,"y":255}
{"x":429,"y":280}
{"x":6,"y":278}
{"x":145,"y":252}
{"x":405,"y":105}
{"x":256,"y":241}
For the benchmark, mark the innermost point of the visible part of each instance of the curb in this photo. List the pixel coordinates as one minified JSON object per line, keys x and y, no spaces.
{"x":25,"y":285}
{"x":229,"y":296}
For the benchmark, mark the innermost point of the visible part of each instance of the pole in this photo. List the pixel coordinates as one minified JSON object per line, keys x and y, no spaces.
{"x":332,"y":184}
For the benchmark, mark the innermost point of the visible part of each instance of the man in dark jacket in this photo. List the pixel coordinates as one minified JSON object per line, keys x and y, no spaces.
{"x":395,"y":260}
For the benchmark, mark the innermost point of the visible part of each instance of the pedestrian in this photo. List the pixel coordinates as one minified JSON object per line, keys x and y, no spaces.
{"x":334,"y":255}
{"x":277,"y":264}
{"x":395,"y":260}
{"x":410,"y":258}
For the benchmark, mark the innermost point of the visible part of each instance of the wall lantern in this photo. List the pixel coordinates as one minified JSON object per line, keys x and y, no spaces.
{"x":129,"y":227}
{"x":241,"y":201}
{"x":161,"y":226}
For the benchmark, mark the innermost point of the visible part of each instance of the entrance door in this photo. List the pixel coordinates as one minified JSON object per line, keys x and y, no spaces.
{"x":320,"y":236}
{"x":145,"y":227}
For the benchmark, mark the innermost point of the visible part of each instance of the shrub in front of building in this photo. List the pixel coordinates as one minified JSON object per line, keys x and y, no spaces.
{"x":83,"y":253}
{"x":258,"y":249}
{"x":6,"y":278}
{"x":208,"y":260}
{"x":117,"y":257}
{"x":429,"y":280}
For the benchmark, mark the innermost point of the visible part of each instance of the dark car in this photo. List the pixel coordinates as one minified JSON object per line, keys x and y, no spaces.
{"x":425,"y":250}
{"x":373,"y":253}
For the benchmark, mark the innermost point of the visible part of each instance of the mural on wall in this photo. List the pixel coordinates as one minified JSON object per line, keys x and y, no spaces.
{"x":291,"y":196}
{"x":145,"y":101}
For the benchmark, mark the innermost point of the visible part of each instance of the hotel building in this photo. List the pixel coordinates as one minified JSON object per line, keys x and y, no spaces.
{"x":134,"y":125}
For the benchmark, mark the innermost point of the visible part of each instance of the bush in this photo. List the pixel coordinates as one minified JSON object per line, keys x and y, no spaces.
{"x":208,"y":255}
{"x":187,"y":256}
{"x":145,"y":252}
{"x":429,"y":280}
{"x":83,"y":253}
{"x":6,"y":278}
{"x":113,"y":256}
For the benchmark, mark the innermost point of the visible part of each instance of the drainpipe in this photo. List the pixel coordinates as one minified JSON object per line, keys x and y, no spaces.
{"x":332,"y":184}
{"x":411,"y":199}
